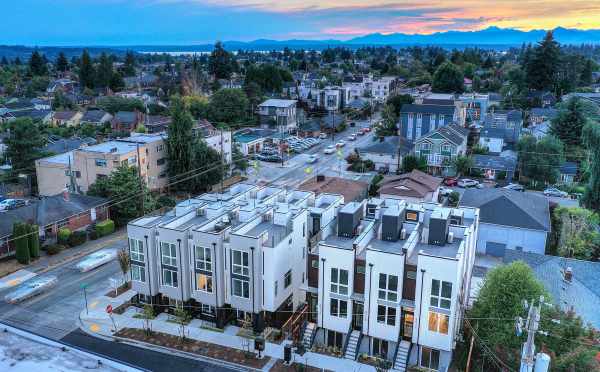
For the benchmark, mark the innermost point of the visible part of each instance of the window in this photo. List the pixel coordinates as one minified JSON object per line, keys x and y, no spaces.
{"x":314,"y":263}
{"x":204,"y":282}
{"x":276,"y":288}
{"x":380,"y":347}
{"x":338,"y":308}
{"x":430,"y":358}
{"x":411,"y":274}
{"x":136,"y":250}
{"x":241,"y":288}
{"x":441,"y":294}
{"x":207,"y":309}
{"x":446,"y":148}
{"x":240,"y":263}
{"x":412,"y":216}
{"x":100,"y":162}
{"x":360,"y":269}
{"x":386,"y":315}
{"x":287,"y":279}
{"x":159,"y":148}
{"x":425,"y":146}
{"x":388,"y":287}
{"x":161,"y":161}
{"x":132,"y":160}
{"x":138,"y":273}
{"x":77,"y":174}
{"x":339,"y":281}
{"x":168,"y":254}
{"x":203,"y":258}
{"x":169,"y":277}
{"x":438,"y":322}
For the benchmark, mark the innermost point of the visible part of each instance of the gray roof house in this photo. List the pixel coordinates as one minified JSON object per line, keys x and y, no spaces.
{"x":511,"y":122}
{"x":491,"y":165}
{"x":386,"y":153}
{"x":509,"y":220}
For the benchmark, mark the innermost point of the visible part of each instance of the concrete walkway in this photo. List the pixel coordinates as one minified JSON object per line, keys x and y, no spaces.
{"x":97,"y":322}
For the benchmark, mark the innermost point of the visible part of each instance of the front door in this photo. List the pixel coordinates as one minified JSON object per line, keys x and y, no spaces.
{"x":408,"y":319}
{"x":357,"y":316}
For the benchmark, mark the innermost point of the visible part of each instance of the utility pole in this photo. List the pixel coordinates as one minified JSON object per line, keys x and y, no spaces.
{"x":532,"y":325}
{"x":222,"y":163}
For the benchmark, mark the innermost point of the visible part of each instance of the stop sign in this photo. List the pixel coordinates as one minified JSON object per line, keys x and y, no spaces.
{"x":109,"y":309}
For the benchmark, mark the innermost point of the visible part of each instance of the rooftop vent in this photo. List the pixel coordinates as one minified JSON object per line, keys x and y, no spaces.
{"x":113,"y":149}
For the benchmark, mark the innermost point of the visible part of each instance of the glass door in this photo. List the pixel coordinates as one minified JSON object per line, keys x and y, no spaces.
{"x":408,"y":319}
{"x":357,"y":316}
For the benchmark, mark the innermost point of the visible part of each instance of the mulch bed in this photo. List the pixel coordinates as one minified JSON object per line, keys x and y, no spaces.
{"x":281,"y":367}
{"x":196,"y":347}
{"x":122,"y":289}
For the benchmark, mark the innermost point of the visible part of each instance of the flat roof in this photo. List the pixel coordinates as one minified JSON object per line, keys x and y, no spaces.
{"x":282,"y":103}
{"x":276,"y":233}
{"x":121,"y":147}
{"x":60,"y":158}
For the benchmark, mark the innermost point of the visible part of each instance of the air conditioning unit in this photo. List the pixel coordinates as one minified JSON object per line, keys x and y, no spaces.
{"x":450,"y":237}
{"x":403,"y":234}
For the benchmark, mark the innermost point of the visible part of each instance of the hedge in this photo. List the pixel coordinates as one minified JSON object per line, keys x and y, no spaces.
{"x":105,"y":227}
{"x":63,"y":235}
{"x":77,"y":238}
{"x":20,"y":232}
{"x":54,"y":249}
{"x":34,"y":241}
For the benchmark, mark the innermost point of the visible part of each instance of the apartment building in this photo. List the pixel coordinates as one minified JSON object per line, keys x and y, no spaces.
{"x":278,"y":113}
{"x":383,"y":88}
{"x":390,"y":279}
{"x":228,"y":257}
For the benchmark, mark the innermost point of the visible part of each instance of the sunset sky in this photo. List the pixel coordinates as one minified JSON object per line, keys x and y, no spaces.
{"x":127,"y":22}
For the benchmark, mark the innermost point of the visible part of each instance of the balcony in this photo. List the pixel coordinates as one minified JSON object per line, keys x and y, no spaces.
{"x":438,"y":160}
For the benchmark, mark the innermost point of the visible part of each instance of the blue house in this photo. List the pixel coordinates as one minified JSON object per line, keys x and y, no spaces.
{"x":509,"y":121}
{"x":418,"y":120}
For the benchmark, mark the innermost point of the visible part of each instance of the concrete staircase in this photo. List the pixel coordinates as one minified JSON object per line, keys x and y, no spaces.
{"x":401,"y":357}
{"x":352,"y":347}
{"x":307,"y":337}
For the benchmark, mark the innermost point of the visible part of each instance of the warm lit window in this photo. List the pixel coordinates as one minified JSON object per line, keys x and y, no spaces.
{"x":438,"y":322}
{"x":412,"y":216}
{"x":204,"y":282}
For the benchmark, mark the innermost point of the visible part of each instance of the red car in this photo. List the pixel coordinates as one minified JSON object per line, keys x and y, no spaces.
{"x":450,"y":181}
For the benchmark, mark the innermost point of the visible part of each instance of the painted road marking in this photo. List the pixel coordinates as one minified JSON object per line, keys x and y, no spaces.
{"x":94,"y":328}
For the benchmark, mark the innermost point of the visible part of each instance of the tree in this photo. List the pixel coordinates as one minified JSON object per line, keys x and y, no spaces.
{"x":124,"y":263}
{"x":207,"y":159}
{"x":148,"y":315}
{"x":239,"y":160}
{"x":105,"y":71}
{"x":398,"y":100}
{"x":61,"y":102}
{"x":20,"y":235}
{"x":180,"y":143}
{"x":462,"y":164}
{"x":576,"y":232}
{"x":388,"y":125}
{"x":23,"y":145}
{"x":448,"y":78}
{"x":129,"y":65}
{"x":540,"y":160}
{"x":197,"y":106}
{"x":62,"y":64}
{"x":87,"y":73}
{"x":33,"y":241}
{"x":114,"y":104}
{"x":572,"y":117}
{"x":124,"y":184}
{"x":410,"y":162}
{"x":228,"y":106}
{"x":182,"y":318}
{"x":220,"y":62}
{"x":37,"y":64}
{"x":591,"y":138}
{"x":543,"y":66}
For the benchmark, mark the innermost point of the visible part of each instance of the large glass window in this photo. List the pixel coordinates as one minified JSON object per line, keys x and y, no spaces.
{"x":204,"y":282}
{"x":169,"y":278}
{"x":168,"y":254}
{"x":241,"y":288}
{"x":138,"y":273}
{"x":136,"y":250}
{"x":203,"y":258}
{"x":438,"y":322}
{"x":240,"y":263}
{"x":441,"y":294}
{"x":386,"y":315}
{"x":339,"y":281}
{"x":430,"y":358}
{"x":388,"y":287}
{"x":338,"y":308}
{"x":287,"y":279}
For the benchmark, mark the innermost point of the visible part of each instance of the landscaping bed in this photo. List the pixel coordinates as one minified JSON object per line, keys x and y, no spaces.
{"x":281,"y":367}
{"x":195,"y":347}
{"x":122,"y":289}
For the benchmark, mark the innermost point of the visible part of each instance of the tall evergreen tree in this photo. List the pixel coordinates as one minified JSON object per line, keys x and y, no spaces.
{"x":448,"y":79}
{"x":220,"y":62}
{"x":543,"y":66}
{"x":20,"y":234}
{"x":569,"y":123}
{"x":23,"y":145}
{"x":37,"y":65}
{"x":87,"y":73}
{"x":180,"y":143}
{"x":62,"y":64}
{"x":105,"y":71}
{"x":33,"y":241}
{"x":129,"y":65}
{"x":591,"y":136}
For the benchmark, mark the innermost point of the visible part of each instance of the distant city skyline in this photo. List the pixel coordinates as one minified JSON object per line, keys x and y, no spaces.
{"x":177,"y":22}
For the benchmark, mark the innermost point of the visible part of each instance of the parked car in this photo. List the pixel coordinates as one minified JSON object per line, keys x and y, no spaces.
{"x":361,"y":133}
{"x":445,"y":191}
{"x":450,"y":181}
{"x":323,"y":135}
{"x":367,"y":129}
{"x":351,"y":137}
{"x":466,"y":182}
{"x":553,"y":191}
{"x":329,"y":149}
{"x":352,"y":124}
{"x":514,"y":187}
{"x":340,"y":143}
{"x":8,"y":204}
{"x":312,"y":159}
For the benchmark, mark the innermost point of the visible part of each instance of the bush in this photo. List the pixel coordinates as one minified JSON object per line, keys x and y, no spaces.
{"x":63,"y":236}
{"x":166,"y":201}
{"x":34,"y":241}
{"x":77,"y":238}
{"x":20,"y":234}
{"x":105,"y":227}
{"x":93,"y":234}
{"x":54,"y":249}
{"x":453,"y":198}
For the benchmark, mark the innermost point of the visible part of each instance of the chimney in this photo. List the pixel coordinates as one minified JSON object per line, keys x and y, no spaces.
{"x":568,"y":274}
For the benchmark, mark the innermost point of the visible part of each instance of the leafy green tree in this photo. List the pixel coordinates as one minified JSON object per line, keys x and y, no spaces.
{"x":23,"y":145}
{"x":114,"y":104}
{"x":220,"y":62}
{"x":448,"y":78}
{"x":20,"y":234}
{"x":61,"y":102}
{"x":148,"y":315}
{"x":398,"y":100}
{"x":124,"y":263}
{"x":542,"y":68}
{"x":576,"y":232}
{"x":540,"y":160}
{"x":462,"y":164}
{"x":37,"y":64}
{"x":388,"y":125}
{"x":591,"y":137}
{"x":228,"y":106}
{"x":62,"y":64}
{"x":410,"y":162}
{"x":572,"y":116}
{"x":182,"y":318}
{"x":87,"y":72}
{"x":240,"y":162}
{"x":124,"y":185}
{"x":207,"y":159}
{"x":197,"y":106}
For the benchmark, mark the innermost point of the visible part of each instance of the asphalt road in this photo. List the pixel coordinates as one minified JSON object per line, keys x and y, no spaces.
{"x":143,"y":358}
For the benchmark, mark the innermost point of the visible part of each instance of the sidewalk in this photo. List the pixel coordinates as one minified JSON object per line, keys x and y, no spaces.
{"x":95,"y":321}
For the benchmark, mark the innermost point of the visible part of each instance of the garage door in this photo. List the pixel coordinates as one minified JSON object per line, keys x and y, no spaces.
{"x":495,"y":249}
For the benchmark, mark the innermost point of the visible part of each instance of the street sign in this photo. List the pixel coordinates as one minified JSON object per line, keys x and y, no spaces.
{"x":83,"y":285}
{"x":109,"y":309}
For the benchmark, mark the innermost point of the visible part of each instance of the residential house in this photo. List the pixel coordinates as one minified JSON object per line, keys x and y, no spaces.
{"x":349,"y":189}
{"x":509,"y":121}
{"x":65,"y":85}
{"x":441,"y":146}
{"x":541,"y":98}
{"x":279,"y":113}
{"x":386,"y":153}
{"x":43,"y":116}
{"x":157,"y":123}
{"x":95,"y":117}
{"x":251,"y":140}
{"x":509,"y":220}
{"x":492,"y":139}
{"x":418,"y":120}
{"x":539,"y":115}
{"x":126,"y":121}
{"x":495,"y":167}
{"x":476,"y":105}
{"x":356,"y":86}
{"x":568,"y":172}
{"x":383,"y":88}
{"x":66,"y":118}
{"x":414,"y":187}
{"x":331,"y":98}
{"x":41,"y":104}
{"x":389,"y":279}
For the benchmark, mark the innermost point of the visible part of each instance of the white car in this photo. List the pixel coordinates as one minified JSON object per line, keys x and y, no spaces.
{"x":323,"y":135}
{"x":329,"y":149}
{"x":312,"y":159}
{"x":553,"y":191}
{"x":352,"y":137}
{"x":465,"y":182}
{"x":514,"y":187}
{"x":340,"y":143}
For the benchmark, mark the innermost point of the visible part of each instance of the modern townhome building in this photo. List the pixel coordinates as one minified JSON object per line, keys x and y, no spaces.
{"x":509,"y":220}
{"x":418,"y":120}
{"x":509,"y":122}
{"x":331,"y":98}
{"x":476,"y":106}
{"x":278,"y":113}
{"x":441,"y":146}
{"x":391,"y":280}
{"x":234,"y":256}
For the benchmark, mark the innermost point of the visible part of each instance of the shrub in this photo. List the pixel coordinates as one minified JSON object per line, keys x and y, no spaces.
{"x":453,"y":198}
{"x":93,"y":234}
{"x":63,"y":236}
{"x":34,"y":241}
{"x":20,"y":232}
{"x":105,"y":227}
{"x":54,"y":249}
{"x":77,"y":238}
{"x":166,"y":201}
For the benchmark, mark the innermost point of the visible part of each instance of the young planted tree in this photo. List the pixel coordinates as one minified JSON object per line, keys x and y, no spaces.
{"x":182,"y":318}
{"x":124,"y":263}
{"x":148,"y":315}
